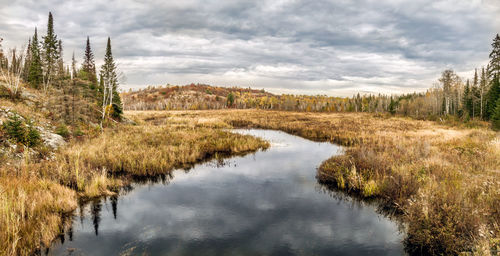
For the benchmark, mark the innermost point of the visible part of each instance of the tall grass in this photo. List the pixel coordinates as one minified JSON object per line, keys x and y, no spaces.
{"x":30,"y":213}
{"x":35,"y":195}
{"x":444,"y":181}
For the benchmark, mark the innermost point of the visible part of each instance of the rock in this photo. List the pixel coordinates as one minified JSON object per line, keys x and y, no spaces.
{"x":28,"y":96}
{"x":50,"y":139}
{"x":128,"y":121}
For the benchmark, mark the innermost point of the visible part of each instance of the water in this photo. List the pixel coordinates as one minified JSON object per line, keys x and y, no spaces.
{"x":267,"y":203}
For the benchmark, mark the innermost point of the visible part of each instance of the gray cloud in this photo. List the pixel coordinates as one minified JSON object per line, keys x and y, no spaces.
{"x":298,"y":46}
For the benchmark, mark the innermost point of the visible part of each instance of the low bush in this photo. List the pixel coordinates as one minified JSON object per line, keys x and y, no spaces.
{"x":63,"y":131}
{"x":22,"y":131}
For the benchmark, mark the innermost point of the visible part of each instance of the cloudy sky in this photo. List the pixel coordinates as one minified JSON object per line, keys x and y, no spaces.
{"x":335,"y":47}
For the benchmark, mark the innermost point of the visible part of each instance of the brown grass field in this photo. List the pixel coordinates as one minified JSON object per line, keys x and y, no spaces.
{"x":35,"y":196}
{"x":443,"y":182}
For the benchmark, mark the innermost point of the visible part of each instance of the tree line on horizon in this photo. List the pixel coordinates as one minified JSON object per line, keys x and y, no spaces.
{"x":477,"y":98}
{"x":41,"y":66}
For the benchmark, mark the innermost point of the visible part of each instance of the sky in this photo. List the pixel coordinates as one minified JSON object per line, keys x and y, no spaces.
{"x":337,"y":47}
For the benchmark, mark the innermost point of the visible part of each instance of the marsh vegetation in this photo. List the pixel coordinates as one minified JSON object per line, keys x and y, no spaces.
{"x":35,"y":194}
{"x":442,"y":180}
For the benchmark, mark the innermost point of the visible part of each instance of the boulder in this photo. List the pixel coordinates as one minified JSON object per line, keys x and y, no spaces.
{"x":52,"y":140}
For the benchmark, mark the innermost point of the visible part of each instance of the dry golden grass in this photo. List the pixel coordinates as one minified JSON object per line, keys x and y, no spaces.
{"x":30,"y":213}
{"x":444,"y":181}
{"x":35,"y":195}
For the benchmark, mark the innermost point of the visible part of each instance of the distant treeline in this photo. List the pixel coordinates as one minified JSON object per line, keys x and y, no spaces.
{"x":477,"y":98}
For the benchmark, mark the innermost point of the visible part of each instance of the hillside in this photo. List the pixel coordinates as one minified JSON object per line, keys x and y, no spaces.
{"x":192,"y":96}
{"x":40,"y":122}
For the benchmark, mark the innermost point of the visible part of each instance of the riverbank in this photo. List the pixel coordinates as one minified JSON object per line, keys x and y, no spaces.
{"x":442,"y":180}
{"x":34,"y":195}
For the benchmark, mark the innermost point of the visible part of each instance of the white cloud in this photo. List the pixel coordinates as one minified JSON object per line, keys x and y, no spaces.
{"x":292,"y":46}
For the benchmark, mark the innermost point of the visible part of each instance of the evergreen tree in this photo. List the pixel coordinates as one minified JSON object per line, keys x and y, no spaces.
{"x":392,"y":106}
{"x":495,"y":118}
{"x":88,"y":65}
{"x":73,"y":66}
{"x":230,"y":100}
{"x":50,"y":53}
{"x":35,"y":77}
{"x":1,"y":53}
{"x":494,"y":64}
{"x":476,"y":101}
{"x":109,"y":78}
{"x":27,"y":62}
{"x":493,"y":95}
{"x":482,"y":91}
{"x":60,"y":61}
{"x":467,"y":100}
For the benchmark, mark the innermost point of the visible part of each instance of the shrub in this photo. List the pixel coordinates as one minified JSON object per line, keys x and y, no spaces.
{"x":63,"y":131}
{"x":33,"y":137}
{"x":15,"y":128}
{"x":78,"y":132}
{"x":21,"y":132}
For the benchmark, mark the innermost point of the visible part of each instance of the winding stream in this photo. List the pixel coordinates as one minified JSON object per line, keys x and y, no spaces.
{"x":267,"y":203}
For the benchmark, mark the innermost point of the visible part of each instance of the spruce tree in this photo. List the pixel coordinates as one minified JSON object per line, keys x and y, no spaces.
{"x":476,"y":101}
{"x":1,"y":53}
{"x":60,"y":61}
{"x":27,"y":62}
{"x":35,"y":77}
{"x":467,"y":100}
{"x":50,"y":53}
{"x":392,"y":106}
{"x":493,"y":95}
{"x":88,"y":65}
{"x":495,"y":118}
{"x":494,"y":64}
{"x":73,"y":66}
{"x":482,"y":91}
{"x":110,"y":82}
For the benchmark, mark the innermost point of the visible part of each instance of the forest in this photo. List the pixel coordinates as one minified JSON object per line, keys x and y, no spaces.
{"x":40,"y":66}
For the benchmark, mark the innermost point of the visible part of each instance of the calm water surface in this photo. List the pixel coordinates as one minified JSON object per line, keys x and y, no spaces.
{"x":267,"y":203}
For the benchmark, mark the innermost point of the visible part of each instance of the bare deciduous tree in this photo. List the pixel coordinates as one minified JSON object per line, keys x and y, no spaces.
{"x":11,"y":72}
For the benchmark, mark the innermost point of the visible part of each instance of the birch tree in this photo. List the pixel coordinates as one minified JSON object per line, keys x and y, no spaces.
{"x":12,"y":72}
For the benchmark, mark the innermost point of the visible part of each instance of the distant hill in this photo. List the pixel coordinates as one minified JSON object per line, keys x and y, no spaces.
{"x":192,"y":96}
{"x":202,"y":96}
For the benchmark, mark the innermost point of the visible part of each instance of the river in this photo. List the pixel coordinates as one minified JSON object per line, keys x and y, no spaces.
{"x":266,"y":203}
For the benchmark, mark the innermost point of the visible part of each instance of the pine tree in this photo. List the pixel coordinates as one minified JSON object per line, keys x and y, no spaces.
{"x":35,"y":77}
{"x":50,"y":53}
{"x":494,"y":64}
{"x":88,"y":65}
{"x":109,"y":78}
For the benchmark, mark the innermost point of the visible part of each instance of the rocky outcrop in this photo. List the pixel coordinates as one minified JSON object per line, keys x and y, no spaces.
{"x":50,"y":139}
